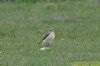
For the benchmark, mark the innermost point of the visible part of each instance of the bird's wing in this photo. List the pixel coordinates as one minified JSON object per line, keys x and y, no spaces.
{"x":44,"y":37}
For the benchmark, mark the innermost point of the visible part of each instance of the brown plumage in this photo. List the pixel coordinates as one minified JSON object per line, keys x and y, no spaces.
{"x":48,"y":38}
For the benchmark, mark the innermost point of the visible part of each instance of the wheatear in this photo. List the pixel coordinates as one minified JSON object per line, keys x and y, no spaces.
{"x":48,"y":38}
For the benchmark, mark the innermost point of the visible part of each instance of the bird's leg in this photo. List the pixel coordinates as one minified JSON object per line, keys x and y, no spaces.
{"x":47,"y":45}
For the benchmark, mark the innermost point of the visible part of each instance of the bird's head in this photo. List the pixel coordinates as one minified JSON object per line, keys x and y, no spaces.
{"x":51,"y":29}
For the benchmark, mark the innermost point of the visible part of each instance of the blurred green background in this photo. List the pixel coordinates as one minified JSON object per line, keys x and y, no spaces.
{"x":24,"y":22}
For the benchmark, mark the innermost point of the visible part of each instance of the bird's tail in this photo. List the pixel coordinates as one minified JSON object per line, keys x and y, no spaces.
{"x":40,"y":42}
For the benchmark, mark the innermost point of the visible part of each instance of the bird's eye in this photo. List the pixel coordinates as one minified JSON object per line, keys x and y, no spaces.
{"x":50,"y":30}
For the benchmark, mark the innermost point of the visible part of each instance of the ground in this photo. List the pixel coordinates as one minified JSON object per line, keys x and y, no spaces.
{"x":22,"y":25}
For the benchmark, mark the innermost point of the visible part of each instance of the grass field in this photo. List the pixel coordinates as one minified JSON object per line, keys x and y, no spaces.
{"x":23,"y":25}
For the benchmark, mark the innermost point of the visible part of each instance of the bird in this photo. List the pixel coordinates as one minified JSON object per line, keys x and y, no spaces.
{"x":48,"y":38}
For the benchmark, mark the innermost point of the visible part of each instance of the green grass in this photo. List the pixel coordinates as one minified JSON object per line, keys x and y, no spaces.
{"x":23,"y":25}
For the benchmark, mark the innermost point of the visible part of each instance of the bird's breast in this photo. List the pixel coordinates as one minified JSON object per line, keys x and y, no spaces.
{"x":50,"y":38}
{"x":52,"y":35}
